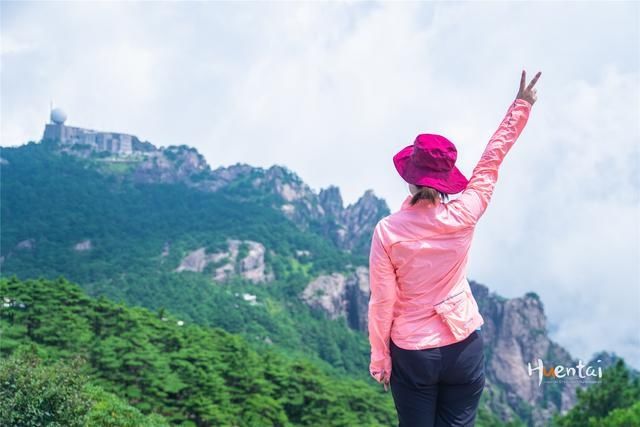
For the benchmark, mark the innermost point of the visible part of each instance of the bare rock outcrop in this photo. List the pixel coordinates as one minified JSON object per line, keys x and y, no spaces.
{"x":341,"y":295}
{"x":242,"y":257}
{"x":350,"y":227}
{"x":172,"y":164}
{"x":327,"y":292}
{"x":515,"y":334}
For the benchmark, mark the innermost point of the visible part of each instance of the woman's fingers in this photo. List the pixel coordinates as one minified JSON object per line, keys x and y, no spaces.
{"x":535,"y":79}
{"x":528,"y":93}
{"x":383,"y":378}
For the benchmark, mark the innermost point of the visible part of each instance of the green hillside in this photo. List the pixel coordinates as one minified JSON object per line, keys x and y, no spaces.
{"x":57,"y":200}
{"x":189,"y":374}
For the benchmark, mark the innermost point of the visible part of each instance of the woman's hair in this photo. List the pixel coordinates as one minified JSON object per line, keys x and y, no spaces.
{"x":428,"y":193}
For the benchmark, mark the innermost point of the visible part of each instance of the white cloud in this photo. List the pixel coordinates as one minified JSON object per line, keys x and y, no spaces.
{"x":333,"y":90}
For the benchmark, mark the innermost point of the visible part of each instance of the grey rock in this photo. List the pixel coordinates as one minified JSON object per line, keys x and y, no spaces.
{"x":251,"y":266}
{"x":341,"y":295}
{"x":196,"y":261}
{"x":515,"y":334}
{"x":327,"y":292}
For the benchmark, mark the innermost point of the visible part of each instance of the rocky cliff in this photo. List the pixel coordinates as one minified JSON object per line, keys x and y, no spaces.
{"x":341,"y":295}
{"x":244,"y":258}
{"x":515,"y":334}
{"x":350,"y":228}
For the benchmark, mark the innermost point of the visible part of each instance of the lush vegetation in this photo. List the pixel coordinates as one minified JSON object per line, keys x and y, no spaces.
{"x":59,"y":200}
{"x":189,"y":374}
{"x":58,"y":394}
{"x":612,"y":402}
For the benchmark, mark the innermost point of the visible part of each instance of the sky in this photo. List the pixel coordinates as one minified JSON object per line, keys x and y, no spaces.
{"x":332,"y":90}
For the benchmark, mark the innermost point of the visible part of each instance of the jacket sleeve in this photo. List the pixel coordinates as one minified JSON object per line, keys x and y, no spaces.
{"x":472,"y":203}
{"x":382,"y":280}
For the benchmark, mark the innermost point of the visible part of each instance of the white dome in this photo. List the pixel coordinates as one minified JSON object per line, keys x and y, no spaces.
{"x":58,"y":116}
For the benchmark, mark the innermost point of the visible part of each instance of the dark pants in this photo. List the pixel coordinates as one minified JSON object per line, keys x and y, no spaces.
{"x":438,"y":386}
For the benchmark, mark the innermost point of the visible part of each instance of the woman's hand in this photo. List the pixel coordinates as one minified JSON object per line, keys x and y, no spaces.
{"x":528,"y":93}
{"x":382,"y":377}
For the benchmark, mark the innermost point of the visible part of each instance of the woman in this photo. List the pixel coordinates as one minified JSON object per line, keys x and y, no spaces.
{"x":424,"y":323}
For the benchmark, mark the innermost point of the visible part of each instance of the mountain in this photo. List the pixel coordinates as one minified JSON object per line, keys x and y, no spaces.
{"x":249,"y":250}
{"x":347,"y":227}
{"x":515,"y":334}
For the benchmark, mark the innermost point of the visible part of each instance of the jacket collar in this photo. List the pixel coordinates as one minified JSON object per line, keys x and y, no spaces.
{"x":420,"y":204}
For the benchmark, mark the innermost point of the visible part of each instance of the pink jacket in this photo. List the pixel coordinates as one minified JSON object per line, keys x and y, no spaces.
{"x":420,"y":296}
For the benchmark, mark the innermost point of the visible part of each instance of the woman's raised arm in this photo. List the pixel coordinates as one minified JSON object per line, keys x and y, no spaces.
{"x":474,"y":200}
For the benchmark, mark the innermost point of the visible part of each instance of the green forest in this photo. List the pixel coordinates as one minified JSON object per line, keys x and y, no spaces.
{"x":59,"y":200}
{"x":189,"y":374}
{"x":72,"y":360}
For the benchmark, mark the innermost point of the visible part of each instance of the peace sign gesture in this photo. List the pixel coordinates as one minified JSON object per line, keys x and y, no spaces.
{"x":528,"y":93}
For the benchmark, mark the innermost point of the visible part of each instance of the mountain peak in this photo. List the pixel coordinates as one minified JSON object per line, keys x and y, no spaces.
{"x":331,"y":201}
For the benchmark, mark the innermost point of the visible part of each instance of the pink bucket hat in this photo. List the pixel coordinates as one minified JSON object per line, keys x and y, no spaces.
{"x":430,"y":161}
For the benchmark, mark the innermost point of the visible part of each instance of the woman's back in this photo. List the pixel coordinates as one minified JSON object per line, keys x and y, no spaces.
{"x":420,"y":296}
{"x":429,"y":252}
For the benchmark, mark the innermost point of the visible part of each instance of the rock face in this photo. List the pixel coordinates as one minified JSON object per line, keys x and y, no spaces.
{"x":358,"y":298}
{"x":244,"y":258}
{"x":341,"y":295}
{"x":328,"y":293}
{"x":515,"y":334}
{"x":171,"y":164}
{"x":350,"y":228}
{"x":331,"y":201}
{"x":358,"y":220}
{"x":252,"y":265}
{"x":287,"y":192}
{"x":197,"y":260}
